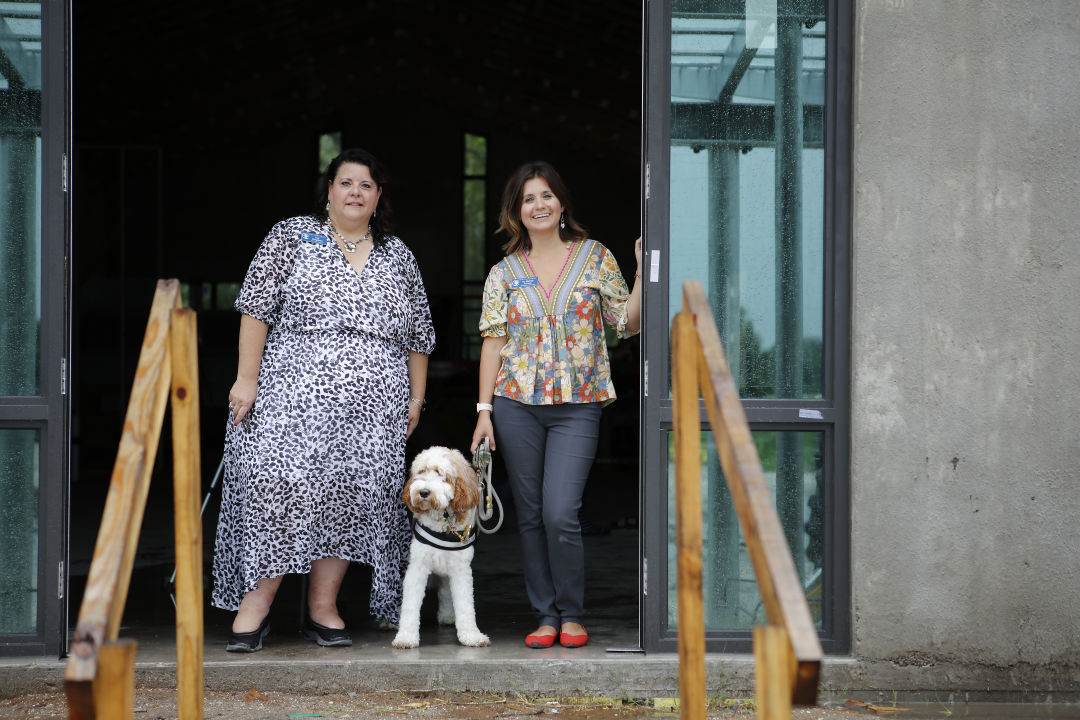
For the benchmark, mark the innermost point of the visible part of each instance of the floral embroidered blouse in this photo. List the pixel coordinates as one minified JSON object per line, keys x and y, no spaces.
{"x":556,"y":352}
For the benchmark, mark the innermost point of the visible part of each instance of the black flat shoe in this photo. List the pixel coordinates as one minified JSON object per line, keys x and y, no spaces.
{"x":327,"y":637}
{"x":249,"y":642}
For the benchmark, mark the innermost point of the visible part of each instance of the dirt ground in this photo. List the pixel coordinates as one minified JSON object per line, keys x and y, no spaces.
{"x":259,"y":705}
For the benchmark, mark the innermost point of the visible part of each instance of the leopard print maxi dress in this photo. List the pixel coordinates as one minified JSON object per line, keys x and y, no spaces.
{"x":317,"y":467}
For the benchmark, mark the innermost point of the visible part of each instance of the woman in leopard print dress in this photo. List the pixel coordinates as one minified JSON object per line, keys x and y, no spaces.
{"x":334,"y":340}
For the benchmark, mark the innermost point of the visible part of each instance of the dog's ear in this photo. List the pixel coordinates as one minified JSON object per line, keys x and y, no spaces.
{"x":466,"y":494}
{"x":405,"y":495}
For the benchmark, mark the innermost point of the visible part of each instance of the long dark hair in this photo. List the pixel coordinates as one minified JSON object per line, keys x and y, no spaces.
{"x":510,"y":214}
{"x":382,"y":222}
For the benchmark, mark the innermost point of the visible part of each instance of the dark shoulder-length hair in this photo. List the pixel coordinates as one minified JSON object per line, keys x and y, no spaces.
{"x":382,"y":222}
{"x":513,"y":194}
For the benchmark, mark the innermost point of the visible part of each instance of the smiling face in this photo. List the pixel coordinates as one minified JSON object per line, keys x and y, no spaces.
{"x":353,"y":196}
{"x":540,"y":208}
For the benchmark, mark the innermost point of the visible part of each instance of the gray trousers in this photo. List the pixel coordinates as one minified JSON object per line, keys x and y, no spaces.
{"x":548,"y":451}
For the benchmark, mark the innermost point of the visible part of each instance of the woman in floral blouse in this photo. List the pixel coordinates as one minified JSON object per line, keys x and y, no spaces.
{"x":544,"y":375}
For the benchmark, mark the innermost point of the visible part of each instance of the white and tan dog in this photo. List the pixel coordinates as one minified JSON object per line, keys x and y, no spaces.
{"x":442,"y":493}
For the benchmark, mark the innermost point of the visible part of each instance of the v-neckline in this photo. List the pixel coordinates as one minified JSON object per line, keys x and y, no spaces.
{"x":367,"y":260}
{"x":345,"y":256}
{"x":558,"y":278}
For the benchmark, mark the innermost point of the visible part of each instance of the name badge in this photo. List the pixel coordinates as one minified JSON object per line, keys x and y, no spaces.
{"x":524,"y":282}
{"x":314,"y":238}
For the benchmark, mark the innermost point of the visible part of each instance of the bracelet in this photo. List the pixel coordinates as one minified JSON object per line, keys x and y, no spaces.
{"x":484,"y":406}
{"x":422,"y":402}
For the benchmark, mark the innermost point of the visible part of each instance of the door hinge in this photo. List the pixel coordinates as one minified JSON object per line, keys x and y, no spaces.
{"x":645,"y":373}
{"x":63,"y":376}
{"x":648,"y":182}
{"x":60,"y":582}
{"x":654,"y":266}
{"x":645,"y":575}
{"x":64,"y":172}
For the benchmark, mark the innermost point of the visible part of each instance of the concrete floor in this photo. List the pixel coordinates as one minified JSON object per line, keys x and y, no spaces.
{"x":611,"y":664}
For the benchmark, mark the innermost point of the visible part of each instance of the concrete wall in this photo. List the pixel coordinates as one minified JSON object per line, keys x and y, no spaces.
{"x":966,"y":336}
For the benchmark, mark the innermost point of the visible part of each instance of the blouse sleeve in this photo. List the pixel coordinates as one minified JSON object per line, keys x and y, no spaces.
{"x":495,"y":305}
{"x":421,"y":333}
{"x":260,"y":295}
{"x":613,"y":294}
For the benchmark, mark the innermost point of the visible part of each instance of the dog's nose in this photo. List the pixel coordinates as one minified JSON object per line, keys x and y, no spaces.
{"x":424,"y":493}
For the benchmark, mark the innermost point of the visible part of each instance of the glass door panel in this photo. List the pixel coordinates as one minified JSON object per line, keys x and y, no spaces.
{"x":747,"y":176}
{"x":20,"y":199}
{"x":792,"y":463}
{"x":18,"y":531}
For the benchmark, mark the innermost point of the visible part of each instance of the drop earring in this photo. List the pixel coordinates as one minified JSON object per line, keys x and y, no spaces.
{"x":374,"y":212}
{"x":562,"y":222}
{"x":327,"y":206}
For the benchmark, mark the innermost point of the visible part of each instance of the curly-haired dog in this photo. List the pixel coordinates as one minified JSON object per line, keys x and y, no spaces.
{"x":442,"y":493}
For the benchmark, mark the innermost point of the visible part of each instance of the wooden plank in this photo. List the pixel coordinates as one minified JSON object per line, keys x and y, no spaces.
{"x":114,"y":553}
{"x":80,"y":699}
{"x":187,"y":484}
{"x":114,"y":686}
{"x":772,"y":676}
{"x":688,"y":532}
{"x":781,"y":590}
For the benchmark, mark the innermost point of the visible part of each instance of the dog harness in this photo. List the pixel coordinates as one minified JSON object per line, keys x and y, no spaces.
{"x":453,"y":540}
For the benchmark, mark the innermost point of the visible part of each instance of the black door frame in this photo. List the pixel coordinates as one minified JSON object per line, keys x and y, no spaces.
{"x":47,"y":412}
{"x":774,"y":415}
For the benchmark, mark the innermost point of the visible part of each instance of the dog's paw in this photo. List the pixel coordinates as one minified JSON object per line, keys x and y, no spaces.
{"x":403,"y":641}
{"x":387,"y":625}
{"x":473,"y":639}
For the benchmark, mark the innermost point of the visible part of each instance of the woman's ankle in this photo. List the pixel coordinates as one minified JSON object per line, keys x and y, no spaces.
{"x":248,"y":619}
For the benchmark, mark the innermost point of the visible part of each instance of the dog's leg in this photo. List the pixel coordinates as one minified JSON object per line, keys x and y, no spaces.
{"x":446,"y":602}
{"x":461,"y":589}
{"x":415,"y":584}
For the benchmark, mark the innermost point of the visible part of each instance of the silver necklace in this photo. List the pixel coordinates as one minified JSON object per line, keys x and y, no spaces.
{"x":350,"y":246}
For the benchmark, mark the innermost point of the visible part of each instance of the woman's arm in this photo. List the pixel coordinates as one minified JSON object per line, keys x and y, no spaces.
{"x":633,"y":304}
{"x":418,"y":363}
{"x":490,"y":361}
{"x":250,"y":350}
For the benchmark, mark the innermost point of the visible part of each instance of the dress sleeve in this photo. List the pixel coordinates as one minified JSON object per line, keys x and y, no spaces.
{"x":421,"y":333}
{"x":494,"y":307}
{"x":260,"y":295}
{"x":613,"y":294}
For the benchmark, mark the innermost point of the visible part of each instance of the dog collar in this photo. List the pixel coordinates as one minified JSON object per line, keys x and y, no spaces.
{"x":455,"y":540}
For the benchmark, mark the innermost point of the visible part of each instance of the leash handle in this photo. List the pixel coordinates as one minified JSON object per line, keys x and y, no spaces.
{"x":482,"y":464}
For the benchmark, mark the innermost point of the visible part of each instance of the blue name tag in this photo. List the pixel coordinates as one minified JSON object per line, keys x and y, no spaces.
{"x":524,"y":282}
{"x":314,"y":238}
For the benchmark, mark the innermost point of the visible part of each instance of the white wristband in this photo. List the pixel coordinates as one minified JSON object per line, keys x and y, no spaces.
{"x":484,"y":406}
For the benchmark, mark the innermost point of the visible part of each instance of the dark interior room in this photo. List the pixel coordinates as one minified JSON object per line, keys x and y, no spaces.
{"x":199,"y":125}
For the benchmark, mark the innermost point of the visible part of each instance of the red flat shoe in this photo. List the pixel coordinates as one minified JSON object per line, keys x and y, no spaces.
{"x":573,"y":641}
{"x":540,"y":641}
